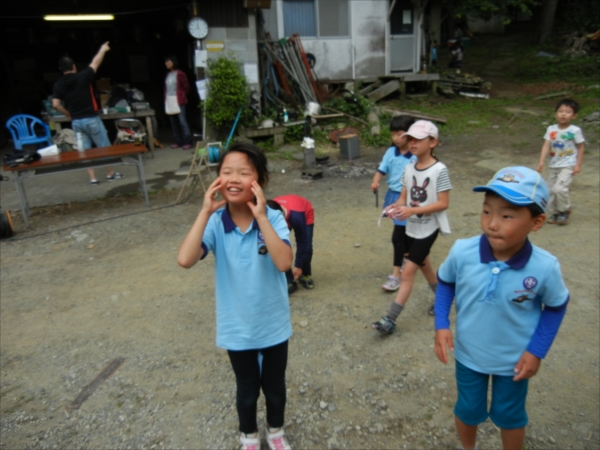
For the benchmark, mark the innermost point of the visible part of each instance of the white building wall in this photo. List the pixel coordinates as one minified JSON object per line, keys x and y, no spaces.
{"x":361,"y":55}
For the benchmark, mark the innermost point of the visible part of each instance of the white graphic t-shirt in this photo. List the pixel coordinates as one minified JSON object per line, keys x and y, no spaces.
{"x":422,"y":187}
{"x":563,"y":145}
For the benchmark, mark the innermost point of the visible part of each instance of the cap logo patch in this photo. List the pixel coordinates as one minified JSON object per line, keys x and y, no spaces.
{"x":507,"y":178}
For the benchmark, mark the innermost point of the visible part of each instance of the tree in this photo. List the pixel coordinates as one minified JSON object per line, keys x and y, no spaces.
{"x":485,"y":9}
{"x":548,"y":13}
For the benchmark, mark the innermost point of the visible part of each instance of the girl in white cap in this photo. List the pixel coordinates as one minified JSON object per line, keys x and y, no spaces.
{"x":422,"y":203}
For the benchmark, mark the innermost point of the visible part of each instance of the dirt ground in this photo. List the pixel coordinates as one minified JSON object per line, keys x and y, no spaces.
{"x":75,"y":297}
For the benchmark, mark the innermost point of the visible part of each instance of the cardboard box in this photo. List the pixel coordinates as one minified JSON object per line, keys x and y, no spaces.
{"x":104,"y":100}
{"x":103,"y":84}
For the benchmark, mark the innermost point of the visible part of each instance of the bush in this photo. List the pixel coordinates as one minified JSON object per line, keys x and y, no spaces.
{"x":227,"y":93}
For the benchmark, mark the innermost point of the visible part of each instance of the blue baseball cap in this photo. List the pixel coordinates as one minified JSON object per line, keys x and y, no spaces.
{"x":518,"y":185}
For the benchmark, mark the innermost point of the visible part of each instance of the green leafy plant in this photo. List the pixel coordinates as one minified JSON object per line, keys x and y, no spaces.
{"x":227,"y":93}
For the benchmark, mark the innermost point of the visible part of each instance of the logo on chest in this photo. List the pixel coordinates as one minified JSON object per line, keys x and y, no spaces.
{"x":528,"y":283}
{"x":262,"y":247}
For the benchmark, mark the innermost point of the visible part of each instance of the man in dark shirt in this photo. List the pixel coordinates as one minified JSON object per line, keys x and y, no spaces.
{"x":80,"y":106}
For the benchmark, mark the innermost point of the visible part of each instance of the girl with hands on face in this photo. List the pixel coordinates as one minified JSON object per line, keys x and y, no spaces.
{"x":251,"y":246}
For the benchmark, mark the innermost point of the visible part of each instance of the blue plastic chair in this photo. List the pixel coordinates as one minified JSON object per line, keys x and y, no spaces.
{"x":22,"y":128}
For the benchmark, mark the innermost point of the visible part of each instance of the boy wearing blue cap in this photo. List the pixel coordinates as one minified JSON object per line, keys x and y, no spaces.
{"x":510,"y":302}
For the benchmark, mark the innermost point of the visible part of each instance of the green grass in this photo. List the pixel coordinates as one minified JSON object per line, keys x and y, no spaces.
{"x":530,"y":69}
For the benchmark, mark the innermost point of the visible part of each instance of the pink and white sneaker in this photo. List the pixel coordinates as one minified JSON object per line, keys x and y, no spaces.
{"x":276,"y":439}
{"x":250,"y":441}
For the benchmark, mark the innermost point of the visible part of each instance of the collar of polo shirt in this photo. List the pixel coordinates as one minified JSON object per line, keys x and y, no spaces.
{"x":518,"y":260}
{"x":229,"y":224}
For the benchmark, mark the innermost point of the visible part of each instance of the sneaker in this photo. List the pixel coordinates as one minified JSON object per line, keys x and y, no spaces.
{"x":94,"y":182}
{"x":186,"y":147}
{"x":392,"y":284}
{"x":384,"y":325}
{"x":276,"y":439}
{"x":552,"y":219}
{"x":250,"y":441}
{"x":115,"y":176}
{"x":292,"y":287}
{"x":174,"y":146}
{"x":431,"y":310}
{"x":563,"y":218}
{"x":306,"y":281}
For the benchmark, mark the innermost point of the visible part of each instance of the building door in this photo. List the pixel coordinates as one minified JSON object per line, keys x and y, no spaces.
{"x":402,"y":37}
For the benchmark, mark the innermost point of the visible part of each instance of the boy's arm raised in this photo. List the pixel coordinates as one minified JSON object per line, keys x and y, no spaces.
{"x":544,"y":154}
{"x":191,"y":249}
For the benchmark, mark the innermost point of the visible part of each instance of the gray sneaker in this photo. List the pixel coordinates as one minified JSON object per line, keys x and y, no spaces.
{"x":552,"y":219}
{"x":384,"y":325}
{"x":392,"y":284}
{"x":563,"y":218}
{"x":115,"y":176}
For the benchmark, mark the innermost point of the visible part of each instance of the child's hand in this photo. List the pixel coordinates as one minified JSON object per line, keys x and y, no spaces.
{"x":297,"y":272}
{"x":260,"y":209}
{"x":527,"y":366}
{"x":374,"y":185}
{"x":443,"y":338}
{"x":403,"y":213}
{"x":576,"y":170}
{"x":540,"y":166}
{"x":210,"y":205}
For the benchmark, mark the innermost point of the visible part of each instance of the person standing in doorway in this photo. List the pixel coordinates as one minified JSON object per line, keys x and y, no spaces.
{"x":80,"y":106}
{"x":176,"y":90}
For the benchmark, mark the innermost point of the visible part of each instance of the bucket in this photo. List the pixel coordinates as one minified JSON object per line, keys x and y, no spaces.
{"x":313,"y":109}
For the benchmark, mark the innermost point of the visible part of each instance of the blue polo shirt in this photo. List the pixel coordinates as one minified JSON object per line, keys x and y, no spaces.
{"x":253,"y":309}
{"x":393,"y":164}
{"x":498,"y":304}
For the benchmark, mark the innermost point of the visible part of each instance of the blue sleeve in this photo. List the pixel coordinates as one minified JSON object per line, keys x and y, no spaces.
{"x":298,"y":224}
{"x":546,"y":330}
{"x":279,"y":224}
{"x":208,"y":238}
{"x":384,"y":166}
{"x":444,"y":295}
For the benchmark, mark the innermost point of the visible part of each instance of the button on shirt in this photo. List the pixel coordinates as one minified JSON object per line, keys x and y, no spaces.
{"x":253,"y":310}
{"x":499,"y":304}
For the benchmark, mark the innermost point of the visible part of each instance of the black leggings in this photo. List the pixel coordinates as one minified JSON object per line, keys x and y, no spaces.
{"x":399,"y":242}
{"x":250,"y":378}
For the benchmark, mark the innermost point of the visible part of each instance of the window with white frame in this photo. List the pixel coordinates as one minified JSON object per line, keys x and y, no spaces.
{"x":316,"y":18}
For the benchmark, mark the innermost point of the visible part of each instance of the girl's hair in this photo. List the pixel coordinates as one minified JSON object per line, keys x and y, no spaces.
{"x":274,"y":205}
{"x":256,"y":157}
{"x":401,"y":123}
{"x":174,"y":60}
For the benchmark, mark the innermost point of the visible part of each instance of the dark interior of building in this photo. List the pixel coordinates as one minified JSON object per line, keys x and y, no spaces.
{"x":141,"y":35}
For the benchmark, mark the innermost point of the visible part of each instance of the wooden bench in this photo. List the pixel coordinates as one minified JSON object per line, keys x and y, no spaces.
{"x":129,"y":154}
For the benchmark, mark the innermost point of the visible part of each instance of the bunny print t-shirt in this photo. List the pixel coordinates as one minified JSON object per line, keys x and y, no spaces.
{"x":422,"y":187}
{"x":563,"y":145}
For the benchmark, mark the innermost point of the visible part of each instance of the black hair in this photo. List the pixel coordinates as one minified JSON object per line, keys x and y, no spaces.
{"x":401,"y":123}
{"x":534,"y":209}
{"x":65,"y":64}
{"x":256,"y":157}
{"x":569,"y":103}
{"x":174,"y":60}
{"x":274,"y":205}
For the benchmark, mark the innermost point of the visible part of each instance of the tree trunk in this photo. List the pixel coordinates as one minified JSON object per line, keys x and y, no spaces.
{"x":548,"y":11}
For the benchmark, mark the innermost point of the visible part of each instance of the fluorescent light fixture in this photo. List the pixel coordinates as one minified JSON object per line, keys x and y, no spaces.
{"x":77,"y":17}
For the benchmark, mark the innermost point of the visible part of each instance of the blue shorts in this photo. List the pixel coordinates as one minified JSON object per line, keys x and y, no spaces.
{"x":390,"y":198}
{"x":92,"y":130}
{"x":507,"y":410}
